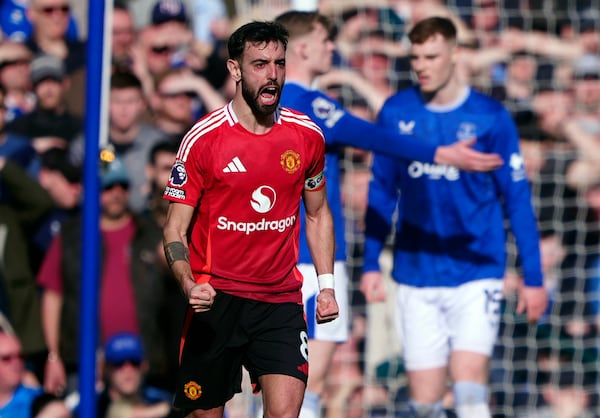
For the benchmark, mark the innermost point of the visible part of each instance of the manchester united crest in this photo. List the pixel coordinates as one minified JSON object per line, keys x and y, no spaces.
{"x":290,"y":161}
{"x":192,"y":390}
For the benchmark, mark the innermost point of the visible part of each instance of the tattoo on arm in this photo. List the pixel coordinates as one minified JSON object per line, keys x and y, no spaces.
{"x":175,"y":251}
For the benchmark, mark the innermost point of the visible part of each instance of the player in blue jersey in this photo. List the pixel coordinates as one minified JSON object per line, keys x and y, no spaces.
{"x":449,"y":246}
{"x":309,"y":55}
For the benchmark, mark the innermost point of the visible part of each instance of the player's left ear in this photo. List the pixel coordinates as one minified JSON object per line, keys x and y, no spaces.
{"x":303,"y":50}
{"x":234,"y":70}
{"x":455,"y":53}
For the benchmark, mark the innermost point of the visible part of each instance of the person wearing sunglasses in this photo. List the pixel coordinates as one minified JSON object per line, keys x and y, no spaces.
{"x":180,"y":98}
{"x":50,"y":22}
{"x":123,"y":374}
{"x":15,"y":395}
{"x":14,"y":76}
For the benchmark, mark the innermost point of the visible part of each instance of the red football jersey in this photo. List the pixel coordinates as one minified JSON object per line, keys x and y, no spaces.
{"x":247,"y":192}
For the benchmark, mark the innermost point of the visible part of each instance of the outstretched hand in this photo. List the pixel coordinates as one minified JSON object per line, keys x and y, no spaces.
{"x":327,"y":307}
{"x":461,"y":155}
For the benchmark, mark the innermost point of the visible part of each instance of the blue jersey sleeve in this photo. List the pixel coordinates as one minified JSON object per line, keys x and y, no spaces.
{"x":359,"y":133}
{"x":344,"y":129}
{"x":515,"y":188}
{"x":382,"y":203}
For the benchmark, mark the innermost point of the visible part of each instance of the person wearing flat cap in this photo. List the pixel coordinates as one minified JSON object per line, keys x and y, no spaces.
{"x":50,"y":124}
{"x":14,"y":76}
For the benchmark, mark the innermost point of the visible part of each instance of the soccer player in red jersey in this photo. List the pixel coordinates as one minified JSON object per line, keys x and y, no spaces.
{"x":231,"y":236}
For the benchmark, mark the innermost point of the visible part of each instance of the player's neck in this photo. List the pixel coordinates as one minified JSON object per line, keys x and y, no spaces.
{"x":447,"y":94}
{"x":257,"y":124}
{"x":296,"y":74}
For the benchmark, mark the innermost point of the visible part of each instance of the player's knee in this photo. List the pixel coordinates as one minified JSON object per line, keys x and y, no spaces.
{"x":427,"y":410}
{"x":470,"y":400}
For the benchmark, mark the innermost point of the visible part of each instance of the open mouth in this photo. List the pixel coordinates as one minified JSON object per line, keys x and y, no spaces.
{"x":269,"y":94}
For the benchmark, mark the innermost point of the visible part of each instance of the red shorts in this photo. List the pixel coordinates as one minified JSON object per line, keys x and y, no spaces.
{"x":265,"y":338}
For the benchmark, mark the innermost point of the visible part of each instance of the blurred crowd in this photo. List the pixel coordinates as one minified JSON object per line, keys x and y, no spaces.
{"x":541,"y":58}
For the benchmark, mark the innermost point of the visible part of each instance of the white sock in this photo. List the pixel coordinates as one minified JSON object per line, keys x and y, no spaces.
{"x":480,"y":410}
{"x":311,"y":406}
{"x":427,"y":410}
{"x":470,"y":400}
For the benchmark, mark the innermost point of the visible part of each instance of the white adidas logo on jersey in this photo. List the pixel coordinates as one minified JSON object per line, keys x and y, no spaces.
{"x":235,"y":166}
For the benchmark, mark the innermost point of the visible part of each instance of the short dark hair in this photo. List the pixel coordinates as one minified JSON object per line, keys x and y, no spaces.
{"x":426,"y":28}
{"x":255,"y":32}
{"x":162,"y":146}
{"x":123,"y":79}
{"x":120,"y":4}
{"x":299,"y":23}
{"x":57,"y":159}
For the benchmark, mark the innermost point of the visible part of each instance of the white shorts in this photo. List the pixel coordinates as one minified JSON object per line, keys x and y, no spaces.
{"x":436,"y":321}
{"x":338,"y":329}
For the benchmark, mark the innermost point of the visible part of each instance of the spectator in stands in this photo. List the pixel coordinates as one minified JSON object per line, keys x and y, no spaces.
{"x":586,"y":87}
{"x":62,"y":181}
{"x":374,"y":64}
{"x":14,"y":76}
{"x":47,"y":405}
{"x":29,"y":204}
{"x":123,"y":374}
{"x":50,"y":124}
{"x":180,"y":98}
{"x":585,"y":41}
{"x":210,"y":21}
{"x":517,"y":88}
{"x":128,"y":134}
{"x":168,"y":42}
{"x":49,"y":19}
{"x":212,"y":27}
{"x":158,"y":171}
{"x":15,"y":396}
{"x":124,"y":39}
{"x":17,"y":148}
{"x":165,"y":42}
{"x":16,"y":25}
{"x":130,"y":291}
{"x":577,"y":122}
{"x":50,"y":22}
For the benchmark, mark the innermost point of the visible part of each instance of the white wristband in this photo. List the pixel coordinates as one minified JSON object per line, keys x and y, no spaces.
{"x":325,"y":281}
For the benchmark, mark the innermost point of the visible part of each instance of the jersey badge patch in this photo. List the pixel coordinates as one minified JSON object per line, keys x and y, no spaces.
{"x":290,"y":161}
{"x":327,"y":111}
{"x":192,"y":390}
{"x":466,"y":131}
{"x":178,"y":174}
{"x":315,"y":183}
{"x":322,"y":108}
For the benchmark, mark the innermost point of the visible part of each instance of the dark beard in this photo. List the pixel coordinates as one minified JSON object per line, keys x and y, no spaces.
{"x":252,"y":101}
